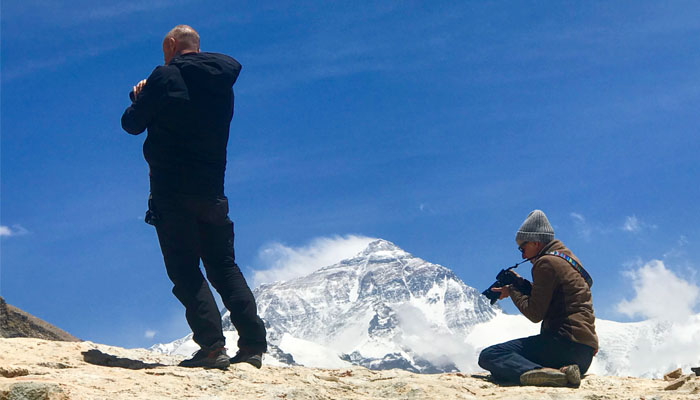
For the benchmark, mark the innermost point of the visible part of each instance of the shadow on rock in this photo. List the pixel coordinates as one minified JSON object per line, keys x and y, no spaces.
{"x":489,"y":379}
{"x":107,"y":360}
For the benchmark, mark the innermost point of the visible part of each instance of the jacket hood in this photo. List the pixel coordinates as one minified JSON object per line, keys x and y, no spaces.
{"x":212,"y":71}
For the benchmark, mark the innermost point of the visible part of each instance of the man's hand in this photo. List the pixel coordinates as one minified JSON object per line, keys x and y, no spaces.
{"x":504,"y":291}
{"x":138,"y":87}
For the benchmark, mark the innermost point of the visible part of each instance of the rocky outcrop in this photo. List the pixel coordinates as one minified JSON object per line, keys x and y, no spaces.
{"x":17,"y":323}
{"x":33,"y":391}
{"x":40,"y":369}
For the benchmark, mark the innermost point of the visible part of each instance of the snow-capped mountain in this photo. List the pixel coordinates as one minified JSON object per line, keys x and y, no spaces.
{"x":647,"y":348}
{"x":381,"y":309}
{"x":385,"y":308}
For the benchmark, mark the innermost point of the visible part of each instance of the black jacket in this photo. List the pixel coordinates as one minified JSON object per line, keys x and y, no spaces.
{"x":187,"y":107}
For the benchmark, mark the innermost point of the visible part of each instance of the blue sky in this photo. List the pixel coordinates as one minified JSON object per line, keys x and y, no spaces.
{"x":437,"y":126}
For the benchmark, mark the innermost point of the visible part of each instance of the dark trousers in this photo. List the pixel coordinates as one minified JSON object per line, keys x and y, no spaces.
{"x":507,"y":361}
{"x":191,"y":228}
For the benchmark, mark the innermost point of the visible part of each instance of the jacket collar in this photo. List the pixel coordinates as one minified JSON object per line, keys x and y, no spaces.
{"x":551,"y":246}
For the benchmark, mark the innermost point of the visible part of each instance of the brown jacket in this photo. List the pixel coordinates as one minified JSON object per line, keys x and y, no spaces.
{"x":560,"y":298}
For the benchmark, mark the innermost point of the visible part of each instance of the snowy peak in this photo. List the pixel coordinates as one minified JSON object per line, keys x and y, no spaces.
{"x":371,"y":307}
{"x":377,"y":252}
{"x":383,"y":248}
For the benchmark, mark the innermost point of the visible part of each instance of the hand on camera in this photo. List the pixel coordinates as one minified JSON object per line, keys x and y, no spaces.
{"x":504,"y":291}
{"x":138,"y":87}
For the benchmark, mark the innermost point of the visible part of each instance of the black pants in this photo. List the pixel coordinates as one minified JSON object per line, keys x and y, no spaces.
{"x":192,"y":228}
{"x":507,"y":361}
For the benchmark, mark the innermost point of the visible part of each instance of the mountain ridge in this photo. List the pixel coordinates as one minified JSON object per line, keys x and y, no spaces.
{"x":15,"y":322}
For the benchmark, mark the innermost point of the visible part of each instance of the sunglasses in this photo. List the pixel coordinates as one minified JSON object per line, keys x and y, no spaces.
{"x":521,"y":246}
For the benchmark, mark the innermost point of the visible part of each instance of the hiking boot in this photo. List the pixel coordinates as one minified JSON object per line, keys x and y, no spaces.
{"x":254,"y":359}
{"x":565,"y":376}
{"x":208,"y":358}
{"x":544,"y":377}
{"x":573,"y":375}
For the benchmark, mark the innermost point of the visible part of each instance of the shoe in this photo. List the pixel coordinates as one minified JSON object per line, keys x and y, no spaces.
{"x":573,"y":375}
{"x":208,"y":358}
{"x":254,"y":359}
{"x":544,"y":377}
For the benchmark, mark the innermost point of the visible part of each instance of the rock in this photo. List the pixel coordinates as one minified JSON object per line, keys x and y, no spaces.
{"x":678,"y":382}
{"x":54,"y":365}
{"x":97,"y":357}
{"x":673,"y":375}
{"x":329,"y":378}
{"x":9,"y":371}
{"x":34,"y":391}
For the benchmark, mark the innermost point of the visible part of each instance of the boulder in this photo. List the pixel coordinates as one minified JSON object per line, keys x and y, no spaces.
{"x":34,"y":391}
{"x":673,"y":375}
{"x":678,"y":382}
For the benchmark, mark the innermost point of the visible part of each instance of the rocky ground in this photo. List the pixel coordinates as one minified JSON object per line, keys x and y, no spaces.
{"x":40,"y":369}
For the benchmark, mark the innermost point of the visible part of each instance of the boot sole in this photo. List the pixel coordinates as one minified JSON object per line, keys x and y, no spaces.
{"x":541,"y":377}
{"x":222,"y":365}
{"x":573,"y":375}
{"x":255,"y":361}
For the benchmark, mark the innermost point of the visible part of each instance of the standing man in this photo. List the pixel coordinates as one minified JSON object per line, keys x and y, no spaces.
{"x":560,"y":297}
{"x":187,"y":105}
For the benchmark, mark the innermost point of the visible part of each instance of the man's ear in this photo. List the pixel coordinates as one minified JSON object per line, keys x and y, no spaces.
{"x":172,"y":44}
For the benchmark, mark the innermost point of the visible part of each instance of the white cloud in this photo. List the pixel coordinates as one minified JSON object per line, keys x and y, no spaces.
{"x":283,"y":263}
{"x":442,"y":347}
{"x":584,"y":229}
{"x":149,"y":334}
{"x":678,"y":250}
{"x":16,"y":230}
{"x":667,"y":302}
{"x":632,"y":224}
{"x":587,"y":229}
{"x":578,"y":217}
{"x":659,"y":294}
{"x":635,"y":225}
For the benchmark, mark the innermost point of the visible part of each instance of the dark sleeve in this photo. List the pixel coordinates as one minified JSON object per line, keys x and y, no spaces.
{"x":139,"y":114}
{"x":535,"y":306}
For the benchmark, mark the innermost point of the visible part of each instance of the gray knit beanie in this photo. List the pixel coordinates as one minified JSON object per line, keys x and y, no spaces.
{"x":536,"y":228}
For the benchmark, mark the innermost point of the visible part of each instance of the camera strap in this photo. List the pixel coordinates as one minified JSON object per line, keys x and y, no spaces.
{"x":578,"y":267}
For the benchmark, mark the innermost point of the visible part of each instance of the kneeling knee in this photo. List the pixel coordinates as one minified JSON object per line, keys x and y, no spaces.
{"x":485,"y":357}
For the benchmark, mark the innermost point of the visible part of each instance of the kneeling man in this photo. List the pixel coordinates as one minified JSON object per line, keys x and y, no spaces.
{"x":560,"y":297}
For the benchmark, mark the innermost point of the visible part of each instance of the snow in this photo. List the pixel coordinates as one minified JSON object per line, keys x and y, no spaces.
{"x":501,"y":328}
{"x":311,"y":354}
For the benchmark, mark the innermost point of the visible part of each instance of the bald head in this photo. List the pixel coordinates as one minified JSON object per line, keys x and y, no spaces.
{"x":181,"y":39}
